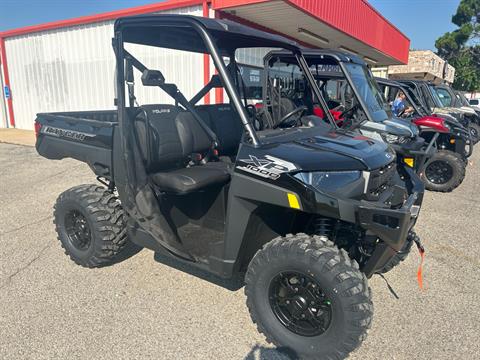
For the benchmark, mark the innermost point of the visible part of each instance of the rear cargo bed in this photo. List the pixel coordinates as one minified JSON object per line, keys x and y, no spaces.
{"x":83,"y":135}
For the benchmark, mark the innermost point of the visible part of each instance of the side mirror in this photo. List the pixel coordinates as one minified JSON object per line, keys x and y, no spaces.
{"x":152,"y":78}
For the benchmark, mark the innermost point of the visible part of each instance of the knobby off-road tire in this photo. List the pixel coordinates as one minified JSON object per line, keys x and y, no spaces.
{"x":91,"y":225}
{"x":401,"y":255}
{"x":450,"y":160}
{"x":474,"y":130}
{"x":343,"y":285}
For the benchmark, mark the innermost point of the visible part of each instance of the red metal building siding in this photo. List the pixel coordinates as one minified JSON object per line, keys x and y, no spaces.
{"x":360,"y":20}
{"x":223,"y":4}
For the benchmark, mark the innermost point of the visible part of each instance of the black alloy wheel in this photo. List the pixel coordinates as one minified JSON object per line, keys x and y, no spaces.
{"x":439,"y":172}
{"x":444,"y":171}
{"x":474,"y":130}
{"x":78,"y":230}
{"x":309,"y":297}
{"x":299,"y":303}
{"x":91,"y":225}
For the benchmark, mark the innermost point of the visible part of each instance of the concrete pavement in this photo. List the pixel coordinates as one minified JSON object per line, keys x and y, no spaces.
{"x":144,"y":309}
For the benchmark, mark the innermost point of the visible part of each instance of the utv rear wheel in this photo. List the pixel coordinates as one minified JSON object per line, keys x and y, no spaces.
{"x":91,"y":225}
{"x":308,"y":296}
{"x":444,"y":171}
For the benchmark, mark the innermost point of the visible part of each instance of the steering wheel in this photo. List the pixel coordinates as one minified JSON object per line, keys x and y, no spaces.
{"x":251,"y":110}
{"x":339,"y":108}
{"x":345,"y":112}
{"x":254,"y":117}
{"x":298,"y":111}
{"x":402,"y":112}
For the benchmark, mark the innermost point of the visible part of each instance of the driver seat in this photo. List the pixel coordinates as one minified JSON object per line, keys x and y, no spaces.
{"x":175,"y":138}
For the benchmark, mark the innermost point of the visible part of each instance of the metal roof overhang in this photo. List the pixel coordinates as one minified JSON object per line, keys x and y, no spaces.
{"x":350,"y":25}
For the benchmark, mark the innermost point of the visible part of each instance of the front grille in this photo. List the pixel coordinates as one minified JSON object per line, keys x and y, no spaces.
{"x":380,"y":180}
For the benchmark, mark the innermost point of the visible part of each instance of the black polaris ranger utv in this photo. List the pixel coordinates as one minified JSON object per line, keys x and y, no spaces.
{"x":307,"y":212}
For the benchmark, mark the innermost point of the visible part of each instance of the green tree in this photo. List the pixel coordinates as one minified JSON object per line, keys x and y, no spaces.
{"x":461,"y":47}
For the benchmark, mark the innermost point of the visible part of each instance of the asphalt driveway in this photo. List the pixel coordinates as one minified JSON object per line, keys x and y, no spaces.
{"x":143,"y":308}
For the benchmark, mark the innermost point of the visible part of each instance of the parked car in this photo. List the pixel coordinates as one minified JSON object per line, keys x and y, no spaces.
{"x":308,"y":213}
{"x":475,"y":103}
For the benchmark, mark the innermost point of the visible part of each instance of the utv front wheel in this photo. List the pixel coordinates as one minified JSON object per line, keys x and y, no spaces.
{"x":307,"y":295}
{"x":474,"y":130}
{"x":444,"y":171}
{"x":91,"y":225}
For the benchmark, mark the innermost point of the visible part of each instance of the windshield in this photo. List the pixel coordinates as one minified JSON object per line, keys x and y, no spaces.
{"x":438,"y":101}
{"x":414,"y":97}
{"x":463,"y":99}
{"x":289,"y":97}
{"x":392,"y":92}
{"x":368,"y":91}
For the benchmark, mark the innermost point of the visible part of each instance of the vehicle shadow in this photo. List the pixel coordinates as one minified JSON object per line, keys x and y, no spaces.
{"x":233,"y":284}
{"x":129,"y":251}
{"x":260,"y":352}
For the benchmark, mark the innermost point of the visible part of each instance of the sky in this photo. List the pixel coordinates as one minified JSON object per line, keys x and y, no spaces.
{"x":423,"y":21}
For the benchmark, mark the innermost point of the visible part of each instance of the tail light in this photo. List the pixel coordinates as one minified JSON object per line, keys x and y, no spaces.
{"x":38,"y":127}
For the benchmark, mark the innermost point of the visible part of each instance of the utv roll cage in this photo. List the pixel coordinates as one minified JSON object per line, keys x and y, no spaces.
{"x":423,"y":92}
{"x":218,"y":38}
{"x":414,"y":102}
{"x":324,"y":55}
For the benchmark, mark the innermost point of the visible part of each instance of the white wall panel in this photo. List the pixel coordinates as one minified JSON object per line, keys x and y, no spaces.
{"x":3,"y":102}
{"x":72,"y":69}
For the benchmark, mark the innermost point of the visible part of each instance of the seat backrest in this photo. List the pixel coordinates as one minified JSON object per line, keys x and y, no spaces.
{"x":173,"y":137}
{"x":225,"y":122}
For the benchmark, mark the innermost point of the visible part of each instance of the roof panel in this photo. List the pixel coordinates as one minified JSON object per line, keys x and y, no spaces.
{"x":348,"y":23}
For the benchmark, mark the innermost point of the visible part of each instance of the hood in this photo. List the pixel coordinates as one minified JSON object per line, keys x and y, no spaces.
{"x":392,"y":126}
{"x":315,"y":149}
{"x":448,"y":110}
{"x":468,"y":110}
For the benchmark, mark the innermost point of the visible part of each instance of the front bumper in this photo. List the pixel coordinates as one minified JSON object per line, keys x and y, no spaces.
{"x":419,"y":155}
{"x":389,"y":218}
{"x":391,"y":226}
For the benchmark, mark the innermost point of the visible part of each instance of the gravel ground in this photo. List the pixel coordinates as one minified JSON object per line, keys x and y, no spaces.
{"x":142,"y":308}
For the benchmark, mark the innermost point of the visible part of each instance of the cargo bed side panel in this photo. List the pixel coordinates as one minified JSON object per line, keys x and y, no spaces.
{"x":78,"y":136}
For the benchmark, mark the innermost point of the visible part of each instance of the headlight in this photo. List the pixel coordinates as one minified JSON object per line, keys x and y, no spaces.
{"x":328,"y":181}
{"x":394,"y":139}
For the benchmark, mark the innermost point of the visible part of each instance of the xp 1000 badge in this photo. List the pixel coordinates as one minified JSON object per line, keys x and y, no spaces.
{"x":268,"y":167}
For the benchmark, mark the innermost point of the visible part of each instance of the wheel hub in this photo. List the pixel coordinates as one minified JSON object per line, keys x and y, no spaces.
{"x":439,"y":172}
{"x":78,"y":230}
{"x":299,"y":304}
